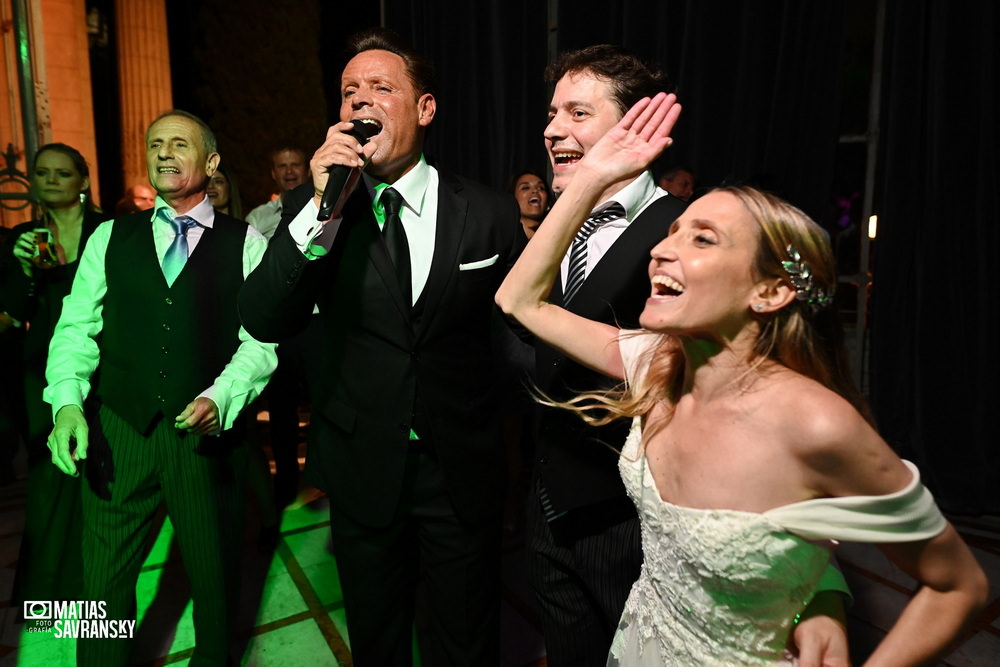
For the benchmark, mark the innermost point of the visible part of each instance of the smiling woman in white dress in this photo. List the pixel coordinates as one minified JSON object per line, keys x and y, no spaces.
{"x":749,"y":451}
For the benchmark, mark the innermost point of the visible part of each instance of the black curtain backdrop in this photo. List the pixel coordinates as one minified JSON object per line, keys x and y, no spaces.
{"x":934,"y":314}
{"x":488,"y":58}
{"x":759,"y":82}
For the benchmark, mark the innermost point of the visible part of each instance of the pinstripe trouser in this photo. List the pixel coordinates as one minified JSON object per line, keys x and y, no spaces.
{"x":128,"y":475}
{"x":582,"y":567}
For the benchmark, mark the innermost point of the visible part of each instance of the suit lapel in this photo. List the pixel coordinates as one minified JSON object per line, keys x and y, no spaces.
{"x":451,"y":218}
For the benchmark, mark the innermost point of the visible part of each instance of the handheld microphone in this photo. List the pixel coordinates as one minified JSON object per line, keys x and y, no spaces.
{"x":343,"y":179}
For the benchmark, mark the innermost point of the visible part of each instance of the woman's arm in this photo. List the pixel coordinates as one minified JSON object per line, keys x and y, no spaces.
{"x":850,"y":459}
{"x":953,"y":591}
{"x":20,"y":300}
{"x":622,"y":153}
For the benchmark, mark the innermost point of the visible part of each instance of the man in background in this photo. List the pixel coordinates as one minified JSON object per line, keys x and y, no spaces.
{"x":679,"y":182}
{"x":139,"y":197}
{"x":289,"y":387}
{"x":289,"y":169}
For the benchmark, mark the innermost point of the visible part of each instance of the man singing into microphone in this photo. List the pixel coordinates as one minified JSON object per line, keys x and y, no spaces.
{"x":404,"y":435}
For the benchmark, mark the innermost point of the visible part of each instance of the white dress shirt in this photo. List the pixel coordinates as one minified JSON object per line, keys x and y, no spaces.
{"x":265,"y":218}
{"x":419,"y":189}
{"x":634,"y":198}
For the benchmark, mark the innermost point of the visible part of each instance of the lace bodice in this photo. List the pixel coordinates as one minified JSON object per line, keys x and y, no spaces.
{"x":717,"y":587}
{"x":723,"y":587}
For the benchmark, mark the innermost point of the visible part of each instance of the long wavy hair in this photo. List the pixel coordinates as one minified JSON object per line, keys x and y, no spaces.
{"x":804,"y":337}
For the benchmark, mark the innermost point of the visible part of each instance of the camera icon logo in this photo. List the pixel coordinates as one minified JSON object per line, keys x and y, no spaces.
{"x":35,"y":610}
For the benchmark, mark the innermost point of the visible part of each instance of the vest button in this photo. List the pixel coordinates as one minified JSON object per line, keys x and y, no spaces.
{"x":168,"y":301}
{"x":166,"y":327}
{"x":164,"y":349}
{"x":163,"y":374}
{"x":161,"y":399}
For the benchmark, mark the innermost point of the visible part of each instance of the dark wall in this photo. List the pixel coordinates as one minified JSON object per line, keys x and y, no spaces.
{"x":254,"y":72}
{"x":104,"y":89}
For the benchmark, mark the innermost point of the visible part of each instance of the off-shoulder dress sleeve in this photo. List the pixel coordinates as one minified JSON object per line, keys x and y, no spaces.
{"x":904,"y":516}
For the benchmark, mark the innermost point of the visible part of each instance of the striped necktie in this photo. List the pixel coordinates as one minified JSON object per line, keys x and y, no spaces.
{"x":177,"y":253}
{"x":578,"y":252}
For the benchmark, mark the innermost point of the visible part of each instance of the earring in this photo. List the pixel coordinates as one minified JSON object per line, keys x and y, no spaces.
{"x":83,"y":197}
{"x":758,"y":307}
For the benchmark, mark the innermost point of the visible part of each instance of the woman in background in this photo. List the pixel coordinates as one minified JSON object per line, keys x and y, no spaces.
{"x":46,"y":251}
{"x":533,"y":198}
{"x":224,"y":193}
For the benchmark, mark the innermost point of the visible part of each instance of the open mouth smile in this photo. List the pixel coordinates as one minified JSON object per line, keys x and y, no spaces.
{"x":371,"y":121}
{"x":665,"y":286}
{"x":566,"y":157}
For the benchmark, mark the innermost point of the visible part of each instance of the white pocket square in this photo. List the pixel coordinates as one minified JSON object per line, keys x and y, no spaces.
{"x":481,"y":264}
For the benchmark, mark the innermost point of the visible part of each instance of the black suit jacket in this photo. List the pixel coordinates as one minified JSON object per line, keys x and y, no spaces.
{"x":578,"y":464}
{"x":386,"y":367}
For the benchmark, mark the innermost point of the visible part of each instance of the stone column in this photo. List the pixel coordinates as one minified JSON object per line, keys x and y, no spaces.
{"x":144,"y":78}
{"x":67,"y":113}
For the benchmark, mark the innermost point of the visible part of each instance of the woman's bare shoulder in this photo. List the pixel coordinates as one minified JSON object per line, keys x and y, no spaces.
{"x":842,"y":453}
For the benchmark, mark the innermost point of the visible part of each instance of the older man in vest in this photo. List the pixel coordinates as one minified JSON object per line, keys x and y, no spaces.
{"x":150,"y":334}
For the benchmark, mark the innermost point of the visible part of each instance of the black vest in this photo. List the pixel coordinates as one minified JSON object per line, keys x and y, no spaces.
{"x":162,"y":346}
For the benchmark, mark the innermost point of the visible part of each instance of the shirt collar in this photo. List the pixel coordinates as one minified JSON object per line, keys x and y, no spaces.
{"x":634,"y":196}
{"x":203,"y":213}
{"x":412,"y":185}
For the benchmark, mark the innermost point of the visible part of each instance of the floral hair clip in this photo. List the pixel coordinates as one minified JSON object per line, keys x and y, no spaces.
{"x":801,"y":278}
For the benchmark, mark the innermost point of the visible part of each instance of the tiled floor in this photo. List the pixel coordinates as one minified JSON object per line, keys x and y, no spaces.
{"x":292,"y":613}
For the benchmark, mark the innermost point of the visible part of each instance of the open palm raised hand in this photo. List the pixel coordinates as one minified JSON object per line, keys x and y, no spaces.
{"x":638,"y":139}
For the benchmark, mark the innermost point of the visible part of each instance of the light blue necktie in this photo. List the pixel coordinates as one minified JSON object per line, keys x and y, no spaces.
{"x":177,"y":253}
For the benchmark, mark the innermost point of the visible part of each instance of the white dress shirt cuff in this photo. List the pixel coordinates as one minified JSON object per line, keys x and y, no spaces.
{"x":212,"y":394}
{"x":66,"y":392}
{"x":313,"y":238}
